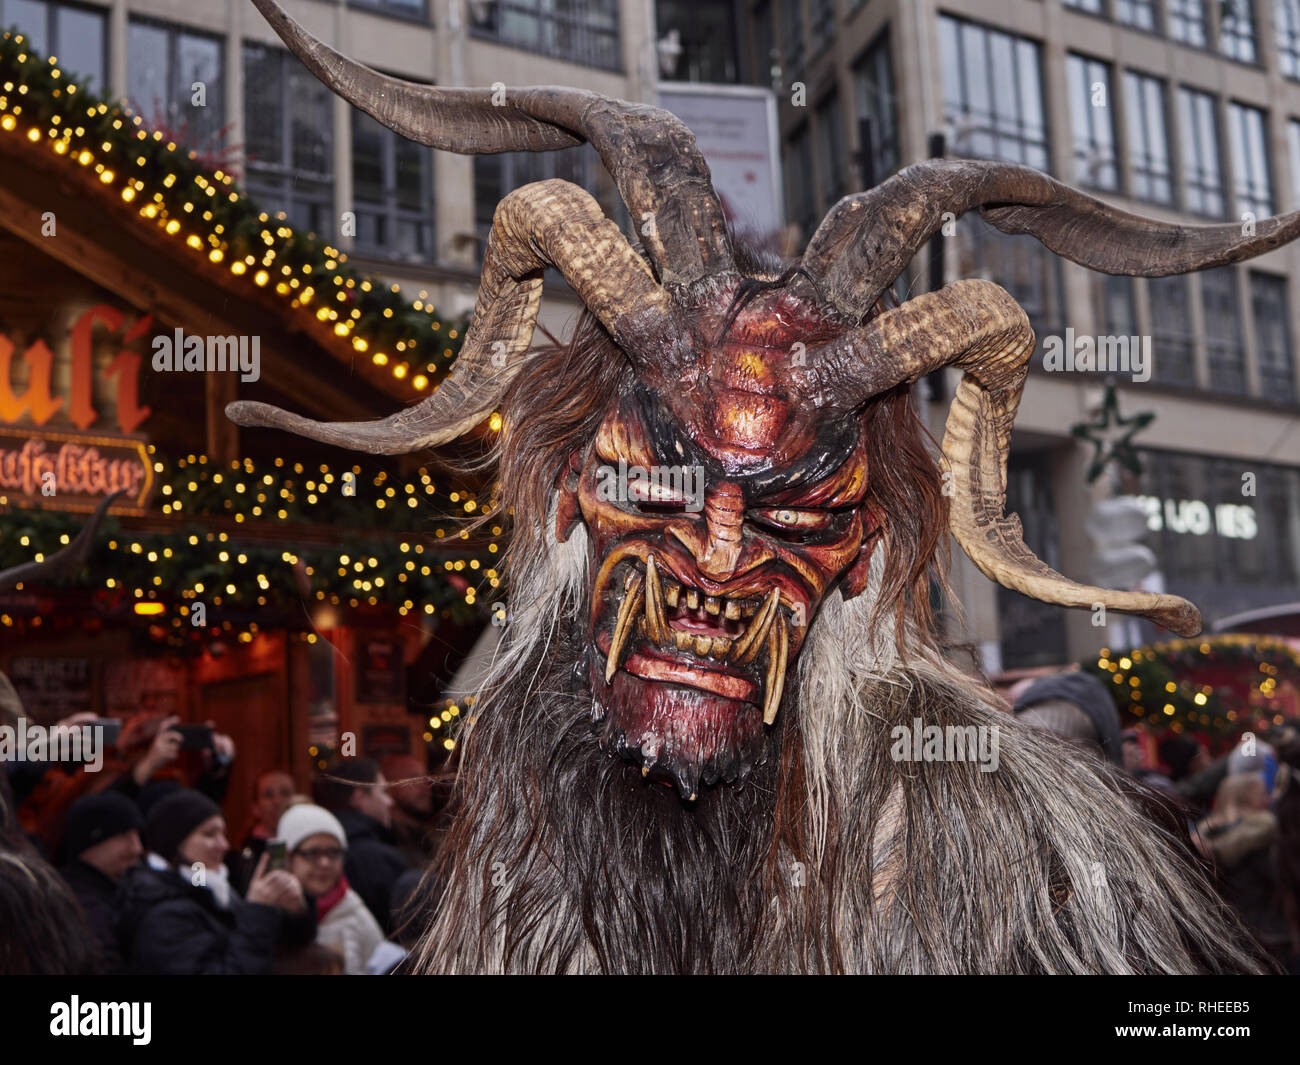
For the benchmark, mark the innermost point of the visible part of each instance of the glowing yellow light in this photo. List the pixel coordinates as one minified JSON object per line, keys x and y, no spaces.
{"x":494,"y":423}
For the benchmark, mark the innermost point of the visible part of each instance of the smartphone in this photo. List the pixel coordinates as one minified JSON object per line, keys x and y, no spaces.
{"x":194,"y":737}
{"x":277,"y":855}
{"x":112,"y":729}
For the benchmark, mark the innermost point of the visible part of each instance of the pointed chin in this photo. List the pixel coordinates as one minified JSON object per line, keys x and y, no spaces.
{"x":684,"y":725}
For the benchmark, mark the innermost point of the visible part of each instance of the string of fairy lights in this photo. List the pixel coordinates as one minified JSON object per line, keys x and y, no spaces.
{"x":1146,"y":684}
{"x":205,"y":214}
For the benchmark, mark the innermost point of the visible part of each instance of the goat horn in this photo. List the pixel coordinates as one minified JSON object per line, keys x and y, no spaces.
{"x":66,"y":560}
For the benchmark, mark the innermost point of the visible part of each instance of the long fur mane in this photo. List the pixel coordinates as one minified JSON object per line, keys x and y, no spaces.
{"x":832,"y":857}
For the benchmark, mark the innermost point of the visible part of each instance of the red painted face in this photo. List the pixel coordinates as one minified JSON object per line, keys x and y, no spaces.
{"x":717,"y":527}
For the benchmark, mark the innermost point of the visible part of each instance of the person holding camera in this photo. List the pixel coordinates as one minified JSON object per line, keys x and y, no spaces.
{"x":179,"y":914}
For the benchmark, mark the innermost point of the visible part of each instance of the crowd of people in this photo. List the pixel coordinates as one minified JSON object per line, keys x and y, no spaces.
{"x":133,"y":869}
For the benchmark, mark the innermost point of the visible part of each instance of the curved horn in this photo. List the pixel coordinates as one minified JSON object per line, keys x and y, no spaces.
{"x":650,"y":153}
{"x":866,"y":240}
{"x":66,"y":560}
{"x":548,"y":223}
{"x":978,"y":327}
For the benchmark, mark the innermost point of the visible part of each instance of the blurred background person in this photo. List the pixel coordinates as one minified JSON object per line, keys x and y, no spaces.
{"x":356,"y":792}
{"x":414,"y":812}
{"x":271,"y":797}
{"x":101,"y":841}
{"x":1075,"y":706}
{"x":179,"y":914}
{"x":316,"y":844}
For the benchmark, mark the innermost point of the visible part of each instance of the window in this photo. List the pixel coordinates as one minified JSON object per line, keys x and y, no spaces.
{"x":799,"y":178}
{"x":1272,"y":337}
{"x":1021,"y":265}
{"x":289,"y":138}
{"x":1286,"y":31}
{"x":1148,"y":145}
{"x":1093,"y":7}
{"x":1118,"y":306}
{"x":1139,"y":13}
{"x":1251,"y":181}
{"x":1237,"y":30}
{"x":993,"y":97}
{"x":1224,"y":349}
{"x":708,"y":38}
{"x":73,"y":35}
{"x":176,"y":82}
{"x":1092,"y":122}
{"x":821,"y":16}
{"x":767,"y":59}
{"x":392,"y":181}
{"x":830,"y":150}
{"x":495,"y":176}
{"x":582,"y":31}
{"x":1173,"y":343}
{"x":873,"y":86}
{"x":1187,"y":22}
{"x":792,"y":31}
{"x":1293,"y":152}
{"x":1202,"y":165}
{"x":409,"y":8}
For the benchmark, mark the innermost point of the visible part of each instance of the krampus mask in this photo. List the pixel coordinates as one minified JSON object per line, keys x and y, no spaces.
{"x":726,"y":490}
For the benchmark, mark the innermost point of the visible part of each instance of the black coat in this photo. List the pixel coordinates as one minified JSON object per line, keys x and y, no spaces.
{"x":97,"y":894}
{"x":373,"y":865}
{"x":167,"y":925}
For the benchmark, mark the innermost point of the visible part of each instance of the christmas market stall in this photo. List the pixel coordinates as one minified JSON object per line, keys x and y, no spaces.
{"x":295,"y":596}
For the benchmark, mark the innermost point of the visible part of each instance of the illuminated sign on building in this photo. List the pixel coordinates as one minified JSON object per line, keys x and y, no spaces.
{"x":1195,"y":517}
{"x":61,"y":465}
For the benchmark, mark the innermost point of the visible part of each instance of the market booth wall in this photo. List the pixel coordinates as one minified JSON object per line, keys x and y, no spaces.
{"x":296,"y":596}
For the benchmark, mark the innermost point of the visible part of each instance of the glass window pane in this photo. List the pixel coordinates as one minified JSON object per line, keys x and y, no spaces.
{"x":80,"y":43}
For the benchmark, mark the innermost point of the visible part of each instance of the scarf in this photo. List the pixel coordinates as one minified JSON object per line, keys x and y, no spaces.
{"x":331,"y":898}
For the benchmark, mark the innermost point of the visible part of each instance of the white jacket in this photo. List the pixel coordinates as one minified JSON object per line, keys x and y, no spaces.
{"x":350,"y":929}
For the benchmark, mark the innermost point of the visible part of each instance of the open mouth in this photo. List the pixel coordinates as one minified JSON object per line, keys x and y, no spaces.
{"x":675,"y":633}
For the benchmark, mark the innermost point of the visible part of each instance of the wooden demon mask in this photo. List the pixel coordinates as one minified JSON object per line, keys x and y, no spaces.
{"x":724,"y":491}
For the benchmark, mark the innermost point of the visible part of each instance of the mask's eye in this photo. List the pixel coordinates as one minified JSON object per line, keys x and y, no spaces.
{"x":791,"y":523}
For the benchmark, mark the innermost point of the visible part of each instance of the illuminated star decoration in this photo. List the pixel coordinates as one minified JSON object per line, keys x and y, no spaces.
{"x":1109,"y":443}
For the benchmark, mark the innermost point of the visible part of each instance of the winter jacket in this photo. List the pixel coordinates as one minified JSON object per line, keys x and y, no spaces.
{"x":167,"y":925}
{"x":373,"y":864}
{"x":97,"y":894}
{"x":352,"y":930}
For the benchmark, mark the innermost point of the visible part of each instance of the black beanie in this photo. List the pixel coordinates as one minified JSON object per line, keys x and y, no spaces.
{"x":95,"y":818}
{"x":173,"y":818}
{"x":1087,"y":693}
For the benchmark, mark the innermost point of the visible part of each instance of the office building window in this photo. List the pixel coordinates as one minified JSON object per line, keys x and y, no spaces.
{"x":1139,"y":13}
{"x":581,"y":31}
{"x":1092,"y":122}
{"x":1272,"y":337}
{"x":873,"y":84}
{"x":799,"y":181}
{"x":1173,"y":342}
{"x":1247,"y":140}
{"x":73,"y":35}
{"x":1118,"y":306}
{"x":707,"y":34}
{"x":1093,"y":7}
{"x":1202,"y":158}
{"x":176,"y":82}
{"x":767,"y":56}
{"x":392,"y":183}
{"x":821,"y":24}
{"x":1286,"y":33}
{"x":289,"y":139}
{"x":1293,"y":154}
{"x":409,"y":8}
{"x":495,"y":176}
{"x":792,"y":46}
{"x":993,"y":97}
{"x":1237,"y":30}
{"x":830,"y":150}
{"x":1188,"y":22}
{"x":1224,"y":346}
{"x":1148,"y":143}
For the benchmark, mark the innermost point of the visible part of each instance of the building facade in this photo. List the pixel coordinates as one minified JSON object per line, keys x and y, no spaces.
{"x":1182,"y":110}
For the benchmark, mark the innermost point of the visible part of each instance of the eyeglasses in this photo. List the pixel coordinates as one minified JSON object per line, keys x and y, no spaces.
{"x":320,"y":854}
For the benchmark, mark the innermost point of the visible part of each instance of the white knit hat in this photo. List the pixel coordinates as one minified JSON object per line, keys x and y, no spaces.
{"x":299,"y":822}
